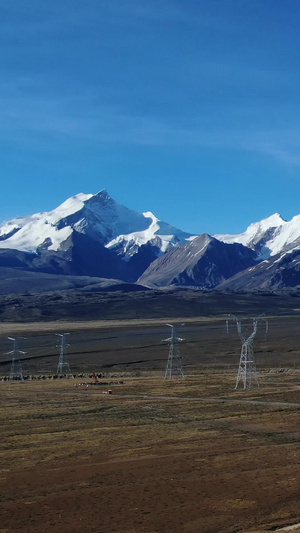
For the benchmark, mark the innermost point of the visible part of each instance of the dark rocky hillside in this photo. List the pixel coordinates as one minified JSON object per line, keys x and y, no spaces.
{"x":277,"y":273}
{"x":120,"y":305}
{"x":204,"y":263}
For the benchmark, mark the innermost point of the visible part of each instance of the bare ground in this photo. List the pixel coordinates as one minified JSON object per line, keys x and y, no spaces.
{"x":155,"y":456}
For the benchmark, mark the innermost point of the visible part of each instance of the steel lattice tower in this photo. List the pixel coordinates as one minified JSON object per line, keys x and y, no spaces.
{"x":247,"y":369}
{"x":174,"y":363}
{"x":16,"y":372}
{"x":63,"y":365}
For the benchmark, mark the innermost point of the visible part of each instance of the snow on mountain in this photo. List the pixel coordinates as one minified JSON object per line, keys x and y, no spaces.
{"x":41,"y":229}
{"x":91,"y":234}
{"x":97,"y":216}
{"x":158,"y":233}
{"x":268,"y":237}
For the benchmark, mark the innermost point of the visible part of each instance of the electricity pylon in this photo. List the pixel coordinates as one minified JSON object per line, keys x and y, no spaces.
{"x":63,"y":365}
{"x":174,"y":364}
{"x":16,"y":372}
{"x":247,"y":370}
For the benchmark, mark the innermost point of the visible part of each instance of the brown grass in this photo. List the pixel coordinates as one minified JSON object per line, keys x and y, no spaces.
{"x":176,"y":456}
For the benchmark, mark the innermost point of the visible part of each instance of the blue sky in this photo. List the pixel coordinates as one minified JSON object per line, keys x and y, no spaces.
{"x":187,"y":108}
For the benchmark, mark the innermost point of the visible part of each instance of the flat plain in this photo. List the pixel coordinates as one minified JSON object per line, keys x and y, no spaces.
{"x":155,"y":456}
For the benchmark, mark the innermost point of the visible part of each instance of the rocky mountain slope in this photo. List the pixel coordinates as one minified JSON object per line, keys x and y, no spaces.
{"x":97,"y":216}
{"x":91,"y":235}
{"x":276,"y":273}
{"x":88,"y":235}
{"x":269,"y":237}
{"x":203,"y":263}
{"x":277,"y":243}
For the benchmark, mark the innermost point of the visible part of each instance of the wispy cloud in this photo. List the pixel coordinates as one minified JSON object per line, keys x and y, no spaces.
{"x":36,"y":121}
{"x":281,"y":144}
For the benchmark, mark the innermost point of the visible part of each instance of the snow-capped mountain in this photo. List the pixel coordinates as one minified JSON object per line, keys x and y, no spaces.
{"x":268,"y":237}
{"x":92,"y":235}
{"x":97,"y":216}
{"x":158,"y":233}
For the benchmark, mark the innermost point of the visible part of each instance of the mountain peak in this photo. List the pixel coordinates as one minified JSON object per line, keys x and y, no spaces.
{"x":272,"y":221}
{"x":78,"y":201}
{"x":102,"y":195}
{"x":278,"y":216}
{"x":91,"y":231}
{"x":270,"y":236}
{"x":69,"y":206}
{"x":98,"y":216}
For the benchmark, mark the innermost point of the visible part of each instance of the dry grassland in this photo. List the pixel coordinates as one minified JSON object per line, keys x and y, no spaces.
{"x":179,"y":456}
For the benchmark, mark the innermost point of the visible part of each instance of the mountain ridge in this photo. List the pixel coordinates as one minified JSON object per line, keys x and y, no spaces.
{"x":269,"y":237}
{"x":98,"y":216}
{"x":202,"y":263}
{"x":92,"y":235}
